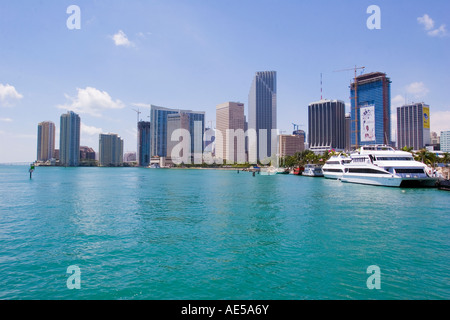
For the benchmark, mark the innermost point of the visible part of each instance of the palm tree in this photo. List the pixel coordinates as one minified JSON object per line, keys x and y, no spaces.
{"x":446,"y":158}
{"x":408,"y":149}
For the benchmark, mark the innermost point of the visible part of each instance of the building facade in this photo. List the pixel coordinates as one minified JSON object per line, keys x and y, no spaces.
{"x":110,"y":150}
{"x":177,"y":121}
{"x":262,"y":115}
{"x":326,"y":125}
{"x":69,"y":142}
{"x":289,"y":145}
{"x":143,"y":147}
{"x":87,"y":153}
{"x":371,"y":109}
{"x":445,"y":141}
{"x":230,"y":132}
{"x":159,"y":131}
{"x":413,"y":126}
{"x":46,"y":141}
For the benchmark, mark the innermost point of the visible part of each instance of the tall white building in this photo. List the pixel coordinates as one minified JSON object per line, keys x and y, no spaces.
{"x":110,"y":150}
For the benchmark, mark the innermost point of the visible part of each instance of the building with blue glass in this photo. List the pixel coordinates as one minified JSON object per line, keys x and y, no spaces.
{"x":371,"y":110}
{"x":69,"y":140}
{"x":262,"y":113}
{"x":159,"y":129}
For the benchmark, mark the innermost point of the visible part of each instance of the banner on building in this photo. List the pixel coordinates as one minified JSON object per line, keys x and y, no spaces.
{"x":367,"y":115}
{"x":426,"y":117}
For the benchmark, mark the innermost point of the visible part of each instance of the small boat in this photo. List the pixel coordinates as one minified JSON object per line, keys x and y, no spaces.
{"x":268,"y":171}
{"x":298,"y":171}
{"x":313,"y":170}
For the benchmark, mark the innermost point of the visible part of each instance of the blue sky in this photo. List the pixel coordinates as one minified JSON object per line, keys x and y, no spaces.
{"x":196,"y":54}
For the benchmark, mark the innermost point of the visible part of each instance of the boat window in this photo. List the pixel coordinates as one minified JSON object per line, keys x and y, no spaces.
{"x":395,"y":159}
{"x":409,"y":171}
{"x":365,"y":170}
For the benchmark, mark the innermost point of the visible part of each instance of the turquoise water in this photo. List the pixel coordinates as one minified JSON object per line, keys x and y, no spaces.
{"x":209,"y":234}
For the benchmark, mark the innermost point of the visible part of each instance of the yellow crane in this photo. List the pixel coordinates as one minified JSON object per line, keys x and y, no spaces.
{"x":356,"y":100}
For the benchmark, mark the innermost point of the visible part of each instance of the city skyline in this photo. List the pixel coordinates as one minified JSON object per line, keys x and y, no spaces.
{"x":129,"y":55}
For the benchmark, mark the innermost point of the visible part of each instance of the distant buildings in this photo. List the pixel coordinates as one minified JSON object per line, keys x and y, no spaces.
{"x":230,"y":132}
{"x":262,"y":114}
{"x":348,"y":132}
{"x":413,"y":126}
{"x":87,"y":153}
{"x":110,"y":150}
{"x":289,"y":145}
{"x":143,"y":145}
{"x":445,"y":141}
{"x":326,"y":125}
{"x":69,"y":142}
{"x":371,"y":109}
{"x":46,"y":141}
{"x":129,"y":157}
{"x":177,"y":121}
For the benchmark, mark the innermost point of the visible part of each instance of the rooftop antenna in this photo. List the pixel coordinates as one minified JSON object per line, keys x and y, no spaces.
{"x":321,"y":86}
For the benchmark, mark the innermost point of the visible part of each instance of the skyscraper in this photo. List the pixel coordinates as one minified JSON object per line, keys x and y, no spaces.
{"x":69,"y":142}
{"x":110,"y":150}
{"x":45,"y":141}
{"x":262,"y":114}
{"x":158,"y":130}
{"x":143,"y":149}
{"x":177,"y":121}
{"x":326,"y":125}
{"x":413,"y":126}
{"x":371,"y":114}
{"x":230,"y":134}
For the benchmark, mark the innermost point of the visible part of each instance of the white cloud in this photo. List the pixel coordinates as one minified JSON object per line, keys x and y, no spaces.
{"x":440,"y":121}
{"x":397,"y":101}
{"x":429,"y":24}
{"x":6,"y":120}
{"x":417,"y":89}
{"x":121,"y":39}
{"x":92,"y":101}
{"x":8,"y":95}
{"x":426,"y":21}
{"x":439,"y":32}
{"x":90,"y":130}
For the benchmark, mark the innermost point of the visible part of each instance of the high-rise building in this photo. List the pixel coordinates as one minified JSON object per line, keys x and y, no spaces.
{"x":413,"y":126}
{"x":326,"y":125}
{"x":371,"y":114}
{"x":262,"y":115}
{"x":69,"y":142}
{"x":348,"y":132}
{"x":177,"y":121}
{"x":46,"y":141}
{"x":110,"y":150}
{"x":289,"y":145}
{"x":143,"y":148}
{"x":230,"y":132}
{"x":445,"y":141}
{"x":159,"y":133}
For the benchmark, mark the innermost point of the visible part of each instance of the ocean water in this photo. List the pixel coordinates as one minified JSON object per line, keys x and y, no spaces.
{"x":156,"y":234}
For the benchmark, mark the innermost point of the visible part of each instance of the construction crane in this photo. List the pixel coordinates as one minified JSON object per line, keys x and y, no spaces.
{"x":356,"y":99}
{"x":296,"y":126}
{"x":138,"y":113}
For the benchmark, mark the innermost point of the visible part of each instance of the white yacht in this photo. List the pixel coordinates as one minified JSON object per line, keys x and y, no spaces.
{"x":312,"y":170}
{"x":335,"y":166}
{"x":383,"y":166}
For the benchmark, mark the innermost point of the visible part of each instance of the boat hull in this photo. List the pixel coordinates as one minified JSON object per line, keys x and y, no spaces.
{"x":390,"y":181}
